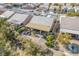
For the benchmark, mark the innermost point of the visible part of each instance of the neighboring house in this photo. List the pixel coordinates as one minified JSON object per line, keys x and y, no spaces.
{"x":30,"y":6}
{"x":77,"y":9}
{"x":71,"y":10}
{"x":41,"y":23}
{"x":70,"y":25}
{"x":20,"y":19}
{"x":2,"y":8}
{"x":44,"y":5}
{"x":7,"y":14}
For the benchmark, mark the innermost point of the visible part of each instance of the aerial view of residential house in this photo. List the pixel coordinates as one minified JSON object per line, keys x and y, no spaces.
{"x":19,"y":19}
{"x":7,"y":14}
{"x":41,"y":23}
{"x":69,"y":25}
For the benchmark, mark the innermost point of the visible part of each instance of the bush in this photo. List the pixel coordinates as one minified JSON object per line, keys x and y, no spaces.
{"x":50,"y":40}
{"x":73,"y":14}
{"x":65,"y":38}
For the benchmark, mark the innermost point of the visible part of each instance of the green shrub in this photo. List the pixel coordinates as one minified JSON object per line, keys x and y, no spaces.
{"x":50,"y":40}
{"x":73,"y":14}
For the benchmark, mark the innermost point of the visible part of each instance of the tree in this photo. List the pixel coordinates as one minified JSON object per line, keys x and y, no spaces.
{"x":2,"y":21}
{"x":33,"y":49}
{"x":58,"y":10}
{"x":50,"y":40}
{"x":36,"y":50}
{"x":6,"y":34}
{"x":73,"y":4}
{"x":3,"y":49}
{"x":56,"y":4}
